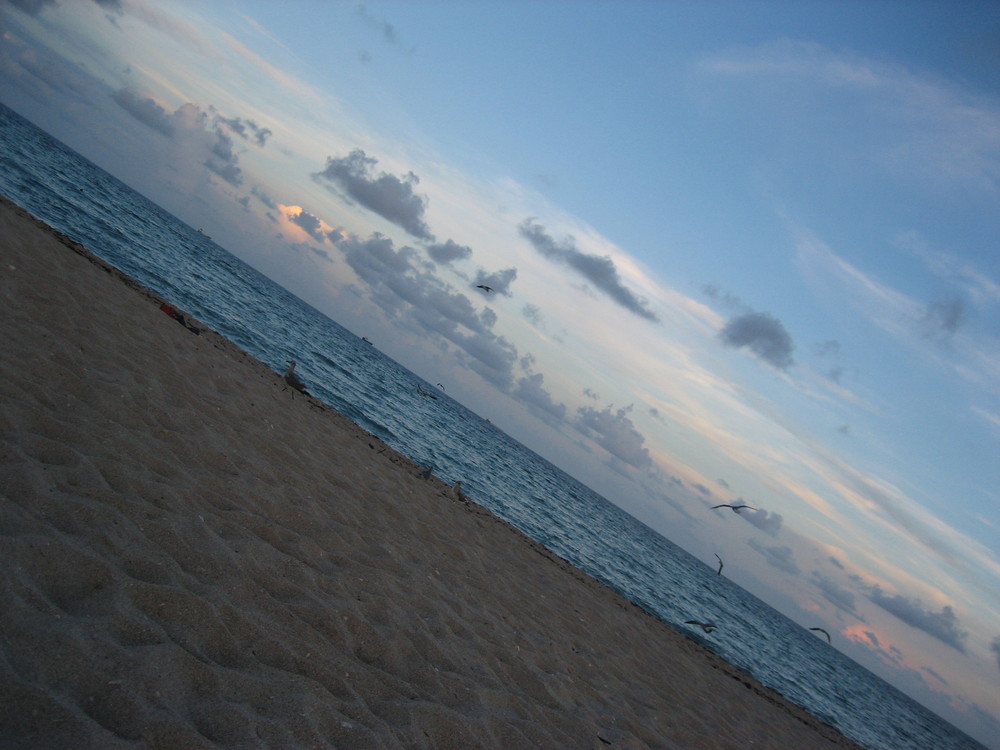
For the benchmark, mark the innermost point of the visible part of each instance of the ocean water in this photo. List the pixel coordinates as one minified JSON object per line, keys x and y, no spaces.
{"x":184,"y":266}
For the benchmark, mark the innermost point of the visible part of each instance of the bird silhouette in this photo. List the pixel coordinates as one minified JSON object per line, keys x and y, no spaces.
{"x":824,"y":633}
{"x":735,"y":508}
{"x":292,"y":379}
{"x":719,"y":571}
{"x":484,"y":287}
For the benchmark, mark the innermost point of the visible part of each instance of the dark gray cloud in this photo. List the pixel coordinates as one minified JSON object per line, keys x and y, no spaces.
{"x":145,"y":110}
{"x":763,"y":334}
{"x":766,"y":522}
{"x":995,"y":648}
{"x":598,"y":270}
{"x":448,"y":252}
{"x":834,"y":593}
{"x":389,"y":196}
{"x":189,"y":125}
{"x":313,"y":226}
{"x":614,"y":431}
{"x":943,"y":319}
{"x":532,"y":313}
{"x":248,"y":130}
{"x":263,"y":197}
{"x":779,"y":557}
{"x":223,"y":160}
{"x":702,"y":489}
{"x":498,"y":281}
{"x":400,"y":284}
{"x":942,"y":625}
{"x":531,"y":391}
{"x":935,"y":675}
{"x":722,"y":483}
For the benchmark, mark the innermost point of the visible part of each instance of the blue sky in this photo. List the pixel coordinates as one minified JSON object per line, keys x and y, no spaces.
{"x":739,"y":251}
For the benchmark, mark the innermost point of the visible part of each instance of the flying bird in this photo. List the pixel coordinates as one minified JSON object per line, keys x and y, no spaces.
{"x":484,"y":287}
{"x":824,"y":633}
{"x":708,"y":627}
{"x":735,"y":508}
{"x":292,"y":379}
{"x":719,"y":571}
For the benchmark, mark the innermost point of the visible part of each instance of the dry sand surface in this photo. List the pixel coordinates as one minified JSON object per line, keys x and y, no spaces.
{"x":192,"y":558}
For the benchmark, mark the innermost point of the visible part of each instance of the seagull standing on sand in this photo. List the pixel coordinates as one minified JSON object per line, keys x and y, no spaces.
{"x":824,"y":633}
{"x":292,"y":379}
{"x":708,"y":627}
{"x":735,"y":508}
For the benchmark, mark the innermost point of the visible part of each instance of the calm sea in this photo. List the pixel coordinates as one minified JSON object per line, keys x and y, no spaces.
{"x":80,"y":200}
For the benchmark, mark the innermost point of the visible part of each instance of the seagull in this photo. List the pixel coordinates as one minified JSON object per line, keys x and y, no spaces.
{"x":440,"y":386}
{"x":292,"y":379}
{"x":719,"y":571}
{"x":484,"y":287}
{"x":824,"y":633}
{"x":708,"y":627}
{"x":426,"y":394}
{"x":736,"y":508}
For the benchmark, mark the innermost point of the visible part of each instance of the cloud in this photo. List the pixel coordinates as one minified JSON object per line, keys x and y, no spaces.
{"x":614,"y":432}
{"x":598,"y":270}
{"x":779,"y":557}
{"x":530,"y":390}
{"x":769,"y":523}
{"x":248,"y":130}
{"x":498,"y":281}
{"x":834,"y":593}
{"x":763,"y":334}
{"x":532,"y":313}
{"x":145,"y":110}
{"x":424,"y":303}
{"x":389,"y":196}
{"x":311,"y":224}
{"x":223,"y":160}
{"x":448,"y":252}
{"x":942,"y":625}
{"x":942,"y":319}
{"x":995,"y":648}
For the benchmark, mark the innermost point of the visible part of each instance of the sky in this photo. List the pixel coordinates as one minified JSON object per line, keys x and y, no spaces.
{"x":739,"y":252}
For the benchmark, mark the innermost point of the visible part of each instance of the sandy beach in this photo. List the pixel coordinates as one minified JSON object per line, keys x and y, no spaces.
{"x":194,"y":558}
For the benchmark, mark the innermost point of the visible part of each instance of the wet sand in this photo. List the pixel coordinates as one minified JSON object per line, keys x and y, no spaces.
{"x":195,"y":558}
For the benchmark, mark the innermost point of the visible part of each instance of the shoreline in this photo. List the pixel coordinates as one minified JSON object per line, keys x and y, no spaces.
{"x":199,"y":558}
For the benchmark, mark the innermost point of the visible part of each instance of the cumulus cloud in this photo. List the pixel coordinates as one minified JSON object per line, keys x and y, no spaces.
{"x":598,"y":270}
{"x":248,"y":130}
{"x":942,"y":319}
{"x":834,"y":593}
{"x":189,"y":125}
{"x":530,"y":390}
{"x":532,"y":313}
{"x":779,"y":557}
{"x":614,"y":431}
{"x":312,"y":225}
{"x":145,"y":110}
{"x":942,"y":625}
{"x":762,"y":334}
{"x":498,"y":281}
{"x":402,"y":287}
{"x":223,"y":160}
{"x":389,"y":196}
{"x":766,"y":522}
{"x":448,"y":252}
